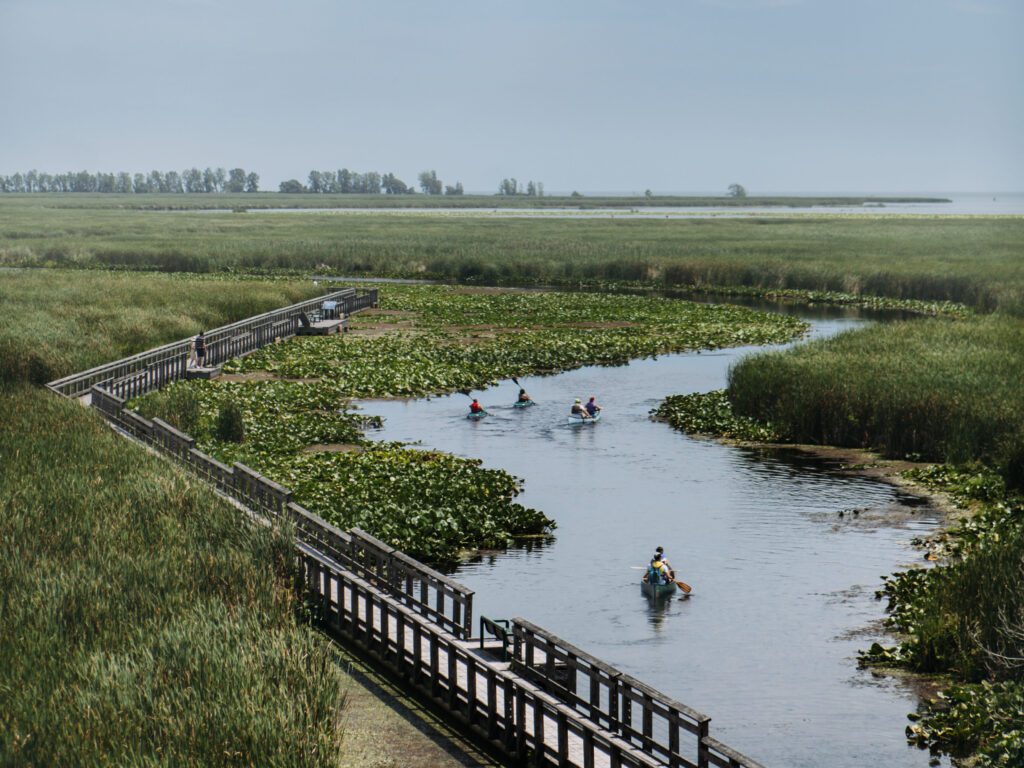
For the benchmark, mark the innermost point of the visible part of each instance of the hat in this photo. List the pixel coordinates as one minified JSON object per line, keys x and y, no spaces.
{"x":577,"y":400}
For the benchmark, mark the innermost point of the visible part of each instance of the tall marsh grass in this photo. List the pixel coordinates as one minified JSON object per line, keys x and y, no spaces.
{"x":933,"y":389}
{"x":57,"y":322}
{"x":972,"y":260}
{"x":140,"y":621}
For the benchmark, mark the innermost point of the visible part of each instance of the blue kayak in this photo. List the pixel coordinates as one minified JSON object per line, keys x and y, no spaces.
{"x":476,"y":416}
{"x":523,"y":403}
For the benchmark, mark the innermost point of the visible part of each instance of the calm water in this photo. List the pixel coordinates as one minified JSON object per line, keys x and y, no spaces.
{"x":783,"y":587}
{"x":959,"y":205}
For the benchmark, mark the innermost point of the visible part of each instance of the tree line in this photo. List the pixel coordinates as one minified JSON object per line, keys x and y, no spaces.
{"x":346,"y":182}
{"x":214,"y":180}
{"x":192,"y":180}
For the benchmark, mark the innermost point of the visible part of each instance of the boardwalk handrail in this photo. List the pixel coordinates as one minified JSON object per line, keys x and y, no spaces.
{"x":137,"y":374}
{"x":640,"y":714}
{"x":418,"y":586}
{"x":506,"y":710}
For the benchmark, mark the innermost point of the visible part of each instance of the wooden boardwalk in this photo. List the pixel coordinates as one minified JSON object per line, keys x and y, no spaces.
{"x":528,"y":694}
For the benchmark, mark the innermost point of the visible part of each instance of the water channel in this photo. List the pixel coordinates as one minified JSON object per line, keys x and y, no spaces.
{"x":783,"y":586}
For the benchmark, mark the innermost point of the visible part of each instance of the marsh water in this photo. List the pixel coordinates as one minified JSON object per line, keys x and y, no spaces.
{"x":783,"y":586}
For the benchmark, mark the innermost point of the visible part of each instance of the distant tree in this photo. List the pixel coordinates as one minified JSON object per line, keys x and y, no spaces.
{"x":648,"y":193}
{"x":394,"y":185}
{"x":124,"y":183}
{"x":430,"y":184}
{"x":344,"y":180}
{"x":292,"y":186}
{"x":575,"y":194}
{"x":140,"y":184}
{"x":236,"y":180}
{"x":737,"y":190}
{"x":193,"y":179}
{"x":209,"y":180}
{"x":456,"y":190}
{"x":252,"y":182}
{"x":371,"y":183}
{"x":508,"y":187}
{"x":174,"y":185}
{"x":219,"y":179}
{"x":316,"y":182}
{"x":531,"y":189}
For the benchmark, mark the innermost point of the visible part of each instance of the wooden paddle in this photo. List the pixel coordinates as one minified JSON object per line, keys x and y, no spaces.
{"x":684,"y":586}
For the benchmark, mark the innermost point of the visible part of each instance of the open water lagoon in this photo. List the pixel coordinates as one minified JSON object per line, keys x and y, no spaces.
{"x":783,"y":587}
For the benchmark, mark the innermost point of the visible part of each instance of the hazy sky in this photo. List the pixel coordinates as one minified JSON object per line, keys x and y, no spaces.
{"x":683,"y":95}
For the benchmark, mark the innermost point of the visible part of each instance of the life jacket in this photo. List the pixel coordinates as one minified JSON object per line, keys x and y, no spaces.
{"x":657,"y":573}
{"x":475,"y":407}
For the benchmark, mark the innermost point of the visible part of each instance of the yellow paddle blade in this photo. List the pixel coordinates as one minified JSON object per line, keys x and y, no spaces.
{"x":684,"y":586}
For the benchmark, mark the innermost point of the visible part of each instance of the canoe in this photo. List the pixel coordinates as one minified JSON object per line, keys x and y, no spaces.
{"x":475,"y":416}
{"x":577,"y":420}
{"x":657,"y":590}
{"x":523,"y":403}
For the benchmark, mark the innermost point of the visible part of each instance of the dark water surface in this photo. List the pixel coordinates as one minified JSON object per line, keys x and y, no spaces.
{"x":782,"y":586}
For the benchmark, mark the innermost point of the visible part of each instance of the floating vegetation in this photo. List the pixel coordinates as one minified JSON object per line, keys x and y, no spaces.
{"x":431,"y":504}
{"x":711,"y":413}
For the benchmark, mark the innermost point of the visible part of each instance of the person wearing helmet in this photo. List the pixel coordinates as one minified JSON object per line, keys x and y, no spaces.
{"x":592,"y":406}
{"x":579,"y":410}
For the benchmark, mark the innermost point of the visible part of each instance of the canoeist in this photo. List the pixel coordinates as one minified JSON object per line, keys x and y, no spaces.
{"x":523,"y":397}
{"x":592,"y":407}
{"x":475,"y":407}
{"x":658,"y":572}
{"x":578,"y":410}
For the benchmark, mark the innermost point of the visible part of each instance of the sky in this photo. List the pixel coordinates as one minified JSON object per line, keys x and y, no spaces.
{"x":781,"y":96}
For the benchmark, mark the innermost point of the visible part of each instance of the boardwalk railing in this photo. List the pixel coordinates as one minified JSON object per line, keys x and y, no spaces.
{"x":639,"y":714}
{"x":504,"y":709}
{"x":138,"y":374}
{"x":554,"y":704}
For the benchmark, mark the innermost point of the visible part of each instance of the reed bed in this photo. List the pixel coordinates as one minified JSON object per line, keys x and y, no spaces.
{"x":971,"y":260}
{"x":142,"y":623}
{"x":930,"y":389}
{"x":59,"y":322}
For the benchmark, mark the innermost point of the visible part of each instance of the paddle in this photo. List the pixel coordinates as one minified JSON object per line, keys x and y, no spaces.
{"x":684,"y":586}
{"x":521,"y":387}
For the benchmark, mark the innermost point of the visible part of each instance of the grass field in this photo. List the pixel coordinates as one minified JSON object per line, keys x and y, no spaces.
{"x":970,"y":260}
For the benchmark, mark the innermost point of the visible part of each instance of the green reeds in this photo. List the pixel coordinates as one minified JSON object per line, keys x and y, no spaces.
{"x":141,"y":622}
{"x":58,"y":322}
{"x":972,"y":260}
{"x":930,"y":389}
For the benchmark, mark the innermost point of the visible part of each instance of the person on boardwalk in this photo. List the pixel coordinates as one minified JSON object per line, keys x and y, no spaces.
{"x":592,"y":407}
{"x":475,"y":407}
{"x":199,"y":347}
{"x":579,"y":410}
